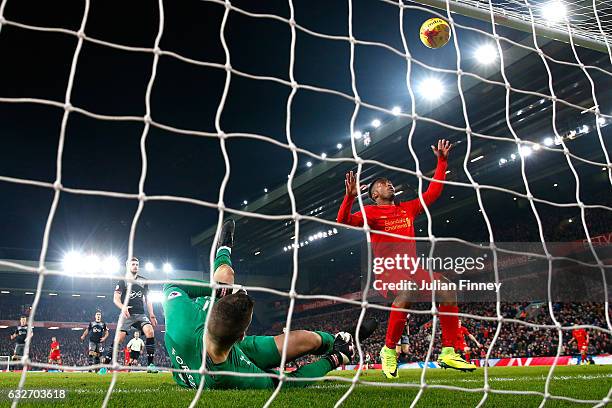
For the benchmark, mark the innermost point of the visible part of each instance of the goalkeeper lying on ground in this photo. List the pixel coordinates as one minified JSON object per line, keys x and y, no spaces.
{"x":227,"y":348}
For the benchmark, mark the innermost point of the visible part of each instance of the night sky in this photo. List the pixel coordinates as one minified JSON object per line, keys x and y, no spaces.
{"x":105,"y":155}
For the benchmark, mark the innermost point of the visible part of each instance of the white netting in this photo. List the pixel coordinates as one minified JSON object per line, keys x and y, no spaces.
{"x":591,"y":22}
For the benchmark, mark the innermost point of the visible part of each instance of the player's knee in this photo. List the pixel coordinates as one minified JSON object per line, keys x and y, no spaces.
{"x":148,"y":331}
{"x":314,"y":340}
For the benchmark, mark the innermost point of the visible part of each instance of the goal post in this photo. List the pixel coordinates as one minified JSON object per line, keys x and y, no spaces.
{"x":5,"y":364}
{"x":586,"y":28}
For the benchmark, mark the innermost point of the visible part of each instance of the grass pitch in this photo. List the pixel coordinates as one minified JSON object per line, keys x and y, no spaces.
{"x":158,"y":390}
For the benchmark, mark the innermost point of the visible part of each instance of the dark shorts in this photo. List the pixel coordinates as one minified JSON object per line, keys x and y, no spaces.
{"x":19,"y":349}
{"x":95,"y":348}
{"x":134,"y":355}
{"x":137,"y":321}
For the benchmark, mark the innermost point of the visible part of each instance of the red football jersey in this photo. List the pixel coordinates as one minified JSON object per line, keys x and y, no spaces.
{"x":580,"y":335}
{"x":55,"y":345}
{"x":397,"y":219}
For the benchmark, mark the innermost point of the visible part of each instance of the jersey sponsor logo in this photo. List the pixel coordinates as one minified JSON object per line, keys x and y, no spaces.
{"x":174,"y":294}
{"x":135,"y":294}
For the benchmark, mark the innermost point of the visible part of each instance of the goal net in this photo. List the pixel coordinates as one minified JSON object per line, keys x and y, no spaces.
{"x":517,"y":82}
{"x":5,"y":362}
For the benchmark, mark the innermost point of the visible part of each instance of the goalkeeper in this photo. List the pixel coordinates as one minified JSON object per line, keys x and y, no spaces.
{"x":226,"y":348}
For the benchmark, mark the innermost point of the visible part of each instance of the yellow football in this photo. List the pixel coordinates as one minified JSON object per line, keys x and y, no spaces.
{"x":435,"y":33}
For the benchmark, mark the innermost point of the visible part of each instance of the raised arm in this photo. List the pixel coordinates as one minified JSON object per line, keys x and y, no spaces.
{"x":85,"y":333}
{"x":190,"y":290}
{"x":344,"y":213}
{"x":471,"y":336}
{"x":434,"y":190}
{"x":105,"y":335}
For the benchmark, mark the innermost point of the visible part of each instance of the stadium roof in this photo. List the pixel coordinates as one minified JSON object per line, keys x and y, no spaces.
{"x":319,"y":189}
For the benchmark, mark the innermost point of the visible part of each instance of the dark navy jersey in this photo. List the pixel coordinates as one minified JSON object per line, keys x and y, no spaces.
{"x":96,"y":331}
{"x":21,"y":332}
{"x":139,"y":290}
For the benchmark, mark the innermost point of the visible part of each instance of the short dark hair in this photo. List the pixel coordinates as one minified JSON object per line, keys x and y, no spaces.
{"x":230,"y":318}
{"x":373,"y":183}
{"x":133,"y":259}
{"x":23,"y":317}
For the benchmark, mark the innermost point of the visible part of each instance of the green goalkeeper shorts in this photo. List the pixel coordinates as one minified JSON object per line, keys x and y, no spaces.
{"x":261,"y":350}
{"x":185,"y":319}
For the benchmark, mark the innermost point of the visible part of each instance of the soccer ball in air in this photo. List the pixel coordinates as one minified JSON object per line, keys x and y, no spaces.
{"x":435,"y":33}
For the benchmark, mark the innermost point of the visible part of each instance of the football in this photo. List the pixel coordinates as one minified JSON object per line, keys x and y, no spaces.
{"x":435,"y":33}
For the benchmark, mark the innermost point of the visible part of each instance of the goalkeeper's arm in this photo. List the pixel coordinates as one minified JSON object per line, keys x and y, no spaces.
{"x":194,"y":291}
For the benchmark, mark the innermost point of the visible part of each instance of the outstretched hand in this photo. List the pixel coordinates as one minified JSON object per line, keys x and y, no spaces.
{"x":350,"y":184}
{"x":443,"y":148}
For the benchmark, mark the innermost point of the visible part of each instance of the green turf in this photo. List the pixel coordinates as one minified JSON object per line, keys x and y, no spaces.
{"x":159,"y":390}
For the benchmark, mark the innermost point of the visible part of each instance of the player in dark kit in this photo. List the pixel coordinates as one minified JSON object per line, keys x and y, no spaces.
{"x":98,"y":332}
{"x":134,"y":313}
{"x":19,"y":335}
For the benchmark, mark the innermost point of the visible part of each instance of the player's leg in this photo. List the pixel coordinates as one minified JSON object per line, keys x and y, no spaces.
{"x":91,"y":352}
{"x":583,"y":356}
{"x":266,"y":351}
{"x":224,"y":273}
{"x":149,"y":333}
{"x":122,"y":333}
{"x":342,"y":353}
{"x":449,"y":324}
{"x":467,"y":354}
{"x":395,"y":328}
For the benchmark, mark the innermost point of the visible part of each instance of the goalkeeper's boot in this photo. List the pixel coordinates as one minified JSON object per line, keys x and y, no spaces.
{"x":226,"y":238}
{"x":367,"y":328}
{"x":450,"y":359}
{"x":102,"y":371}
{"x":343,"y":350}
{"x":152,"y":369}
{"x":388,"y":358}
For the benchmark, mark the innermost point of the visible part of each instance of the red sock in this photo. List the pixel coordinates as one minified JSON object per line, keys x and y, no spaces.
{"x":449,"y":325}
{"x":395,"y":327}
{"x":467,"y":356}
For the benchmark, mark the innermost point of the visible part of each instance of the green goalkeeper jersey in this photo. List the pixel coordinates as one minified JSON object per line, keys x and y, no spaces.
{"x":186,"y":308}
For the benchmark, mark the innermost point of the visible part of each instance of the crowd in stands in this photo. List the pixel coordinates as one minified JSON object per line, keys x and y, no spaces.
{"x":514,"y":340}
{"x":62,"y":308}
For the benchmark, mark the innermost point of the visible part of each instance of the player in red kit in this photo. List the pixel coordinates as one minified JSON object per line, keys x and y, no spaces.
{"x":581,"y":337}
{"x":55,"y":355}
{"x":461,"y":345}
{"x":398,"y":218}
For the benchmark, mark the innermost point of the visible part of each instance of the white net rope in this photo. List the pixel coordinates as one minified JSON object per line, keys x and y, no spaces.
{"x":590,"y":24}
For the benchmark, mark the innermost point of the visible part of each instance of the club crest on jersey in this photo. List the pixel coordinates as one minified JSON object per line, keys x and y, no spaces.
{"x":174,"y":294}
